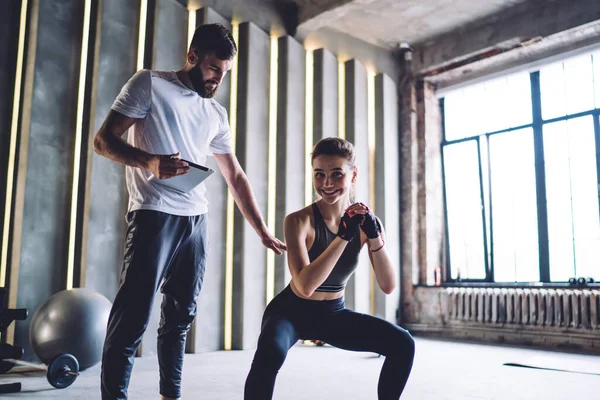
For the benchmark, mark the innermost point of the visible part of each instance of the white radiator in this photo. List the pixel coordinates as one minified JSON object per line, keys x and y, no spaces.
{"x":572,"y":309}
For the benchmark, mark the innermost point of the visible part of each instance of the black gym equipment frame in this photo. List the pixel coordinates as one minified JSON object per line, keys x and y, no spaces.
{"x":8,"y":351}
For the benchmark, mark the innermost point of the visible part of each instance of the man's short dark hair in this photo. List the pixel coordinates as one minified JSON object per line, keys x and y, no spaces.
{"x":215,"y":38}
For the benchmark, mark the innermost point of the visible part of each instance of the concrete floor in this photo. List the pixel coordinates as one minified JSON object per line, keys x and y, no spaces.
{"x":442,"y":371}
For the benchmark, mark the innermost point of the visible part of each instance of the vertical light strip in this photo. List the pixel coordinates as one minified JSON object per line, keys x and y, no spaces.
{"x":78,"y":136}
{"x":12,"y":149}
{"x":308,"y":125}
{"x":142,"y":34}
{"x":371,"y":134}
{"x":341,"y":99}
{"x":191,"y":26}
{"x":235,"y":31}
{"x":371,"y":142}
{"x":272,"y":166}
{"x":190,"y":34}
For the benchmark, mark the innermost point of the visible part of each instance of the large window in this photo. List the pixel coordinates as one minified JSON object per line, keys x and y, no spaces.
{"x":521,"y":162}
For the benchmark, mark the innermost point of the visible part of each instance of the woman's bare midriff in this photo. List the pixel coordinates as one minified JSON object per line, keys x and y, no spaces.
{"x":318,"y":296}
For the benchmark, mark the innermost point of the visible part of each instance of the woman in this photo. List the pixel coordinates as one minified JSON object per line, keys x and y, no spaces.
{"x":321,"y":262}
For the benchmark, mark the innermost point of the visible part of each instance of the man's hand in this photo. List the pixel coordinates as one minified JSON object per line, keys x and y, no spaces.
{"x":271,"y":242}
{"x":244,"y":198}
{"x":165,"y":166}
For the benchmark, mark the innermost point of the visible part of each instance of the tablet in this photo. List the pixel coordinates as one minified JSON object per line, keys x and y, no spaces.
{"x":186,"y":182}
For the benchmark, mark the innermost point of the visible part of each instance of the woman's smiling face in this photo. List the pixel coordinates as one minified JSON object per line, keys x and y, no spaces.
{"x":333,"y":177}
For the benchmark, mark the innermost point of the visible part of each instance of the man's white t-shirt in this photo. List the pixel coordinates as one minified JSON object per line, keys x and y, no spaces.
{"x":173,"y":118}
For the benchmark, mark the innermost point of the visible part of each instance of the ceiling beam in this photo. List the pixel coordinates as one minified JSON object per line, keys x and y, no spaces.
{"x":535,"y":19}
{"x":311,"y":11}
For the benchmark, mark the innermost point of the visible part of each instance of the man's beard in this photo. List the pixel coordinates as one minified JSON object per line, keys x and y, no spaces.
{"x":200,"y":85}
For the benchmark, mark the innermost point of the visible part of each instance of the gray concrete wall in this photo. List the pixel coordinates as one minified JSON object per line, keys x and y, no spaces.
{"x":387,"y":184}
{"x":358,"y":289}
{"x":325,"y":104}
{"x":252,"y":146}
{"x":45,"y":170}
{"x":269,"y":15}
{"x":207,"y":330}
{"x":9,"y":38}
{"x":290,"y":142}
{"x":170,"y":35}
{"x":105,"y":223}
{"x":170,"y":48}
{"x":346,"y":47}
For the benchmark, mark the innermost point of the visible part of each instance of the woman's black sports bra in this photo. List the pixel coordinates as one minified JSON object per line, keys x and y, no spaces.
{"x":348,"y":261}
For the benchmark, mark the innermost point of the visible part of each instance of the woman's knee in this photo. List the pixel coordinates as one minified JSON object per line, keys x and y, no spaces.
{"x":271,"y":354}
{"x":408,"y":343}
{"x":402,"y":345}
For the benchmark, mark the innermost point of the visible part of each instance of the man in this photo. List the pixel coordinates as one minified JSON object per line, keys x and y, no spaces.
{"x":172,"y":115}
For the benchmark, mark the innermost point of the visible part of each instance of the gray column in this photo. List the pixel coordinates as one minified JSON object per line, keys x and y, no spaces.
{"x":104,"y":227}
{"x":387,"y":188}
{"x":206,"y":333}
{"x":408,"y":194}
{"x":290,"y":142}
{"x":170,"y":48}
{"x":9,"y":41}
{"x":46,"y":150}
{"x":421,"y":256}
{"x":252,"y":145}
{"x":325,"y":109}
{"x":170,"y":35}
{"x":358,"y":290}
{"x":433,"y":180}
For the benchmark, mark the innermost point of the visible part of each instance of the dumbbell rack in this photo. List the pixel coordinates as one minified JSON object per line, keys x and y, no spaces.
{"x":8,"y":351}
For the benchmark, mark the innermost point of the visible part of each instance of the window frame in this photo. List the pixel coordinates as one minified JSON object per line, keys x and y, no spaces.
{"x":486,"y":262}
{"x":536,"y":125}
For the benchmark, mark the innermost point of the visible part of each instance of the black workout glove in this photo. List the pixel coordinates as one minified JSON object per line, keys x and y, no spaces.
{"x":371,"y":226}
{"x":349,"y":226}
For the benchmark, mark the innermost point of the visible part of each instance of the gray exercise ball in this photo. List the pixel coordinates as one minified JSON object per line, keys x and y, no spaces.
{"x":71,"y":321}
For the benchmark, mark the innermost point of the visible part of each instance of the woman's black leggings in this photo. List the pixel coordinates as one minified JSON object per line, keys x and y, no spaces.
{"x":289,"y":318}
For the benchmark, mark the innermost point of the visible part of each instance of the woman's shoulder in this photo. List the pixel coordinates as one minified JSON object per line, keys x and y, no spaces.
{"x":300,"y":217}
